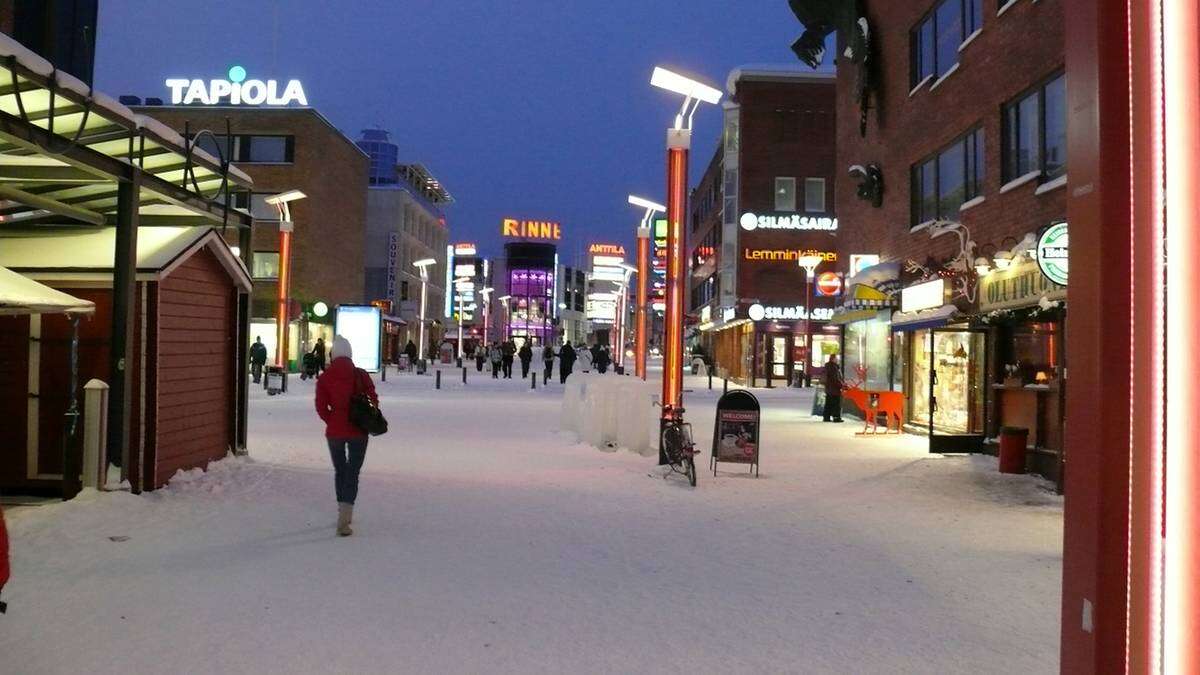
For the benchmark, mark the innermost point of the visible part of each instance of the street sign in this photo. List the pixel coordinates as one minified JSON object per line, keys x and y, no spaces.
{"x":736,"y":437}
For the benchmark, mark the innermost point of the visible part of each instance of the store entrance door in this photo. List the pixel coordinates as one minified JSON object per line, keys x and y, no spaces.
{"x":957,"y":389}
{"x":779,"y":358}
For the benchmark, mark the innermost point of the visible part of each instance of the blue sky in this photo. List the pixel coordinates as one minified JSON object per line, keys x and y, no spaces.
{"x":537,"y":109}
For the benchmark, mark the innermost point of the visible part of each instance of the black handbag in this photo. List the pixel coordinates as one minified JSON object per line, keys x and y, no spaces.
{"x":363,"y":413}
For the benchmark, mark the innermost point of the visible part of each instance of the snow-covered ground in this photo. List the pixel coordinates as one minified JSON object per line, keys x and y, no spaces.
{"x":486,"y":540}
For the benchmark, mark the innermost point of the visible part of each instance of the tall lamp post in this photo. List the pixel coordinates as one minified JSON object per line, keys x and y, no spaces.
{"x":679,"y":141}
{"x":281,"y":202}
{"x":487,"y":312}
{"x":504,"y":319}
{"x":623,"y":314}
{"x":424,"y":264}
{"x":809,"y":263}
{"x":461,"y":286}
{"x":641,"y":337}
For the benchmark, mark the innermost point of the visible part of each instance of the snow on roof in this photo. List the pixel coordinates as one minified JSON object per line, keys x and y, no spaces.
{"x":942,"y":313}
{"x":22,"y":295}
{"x":774,"y":71}
{"x":92,"y":248}
{"x":876,"y":275}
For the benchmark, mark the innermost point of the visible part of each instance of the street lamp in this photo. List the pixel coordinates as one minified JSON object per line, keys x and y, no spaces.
{"x":424,"y":264}
{"x":504,"y":324}
{"x":281,"y":202}
{"x":487,"y":312}
{"x":643,"y":272}
{"x":679,"y":141}
{"x":622,"y":313}
{"x":461,"y":286}
{"x":809,"y":263}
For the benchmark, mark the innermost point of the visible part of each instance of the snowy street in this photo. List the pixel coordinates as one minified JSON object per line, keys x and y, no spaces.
{"x":486,"y":540}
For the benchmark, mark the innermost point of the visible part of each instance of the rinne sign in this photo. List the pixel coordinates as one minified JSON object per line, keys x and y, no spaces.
{"x":1052,"y":253}
{"x":758,"y":312}
{"x":607,"y":249}
{"x":531,"y":229}
{"x":795,"y":221}
{"x":786,"y":254}
{"x":237,"y":90}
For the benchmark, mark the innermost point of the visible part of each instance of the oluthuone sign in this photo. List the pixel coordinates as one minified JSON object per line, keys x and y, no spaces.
{"x":237,"y":90}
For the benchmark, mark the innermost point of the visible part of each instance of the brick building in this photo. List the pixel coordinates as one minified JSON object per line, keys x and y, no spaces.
{"x":293,"y":148}
{"x":961,"y":166}
{"x":766,"y":199}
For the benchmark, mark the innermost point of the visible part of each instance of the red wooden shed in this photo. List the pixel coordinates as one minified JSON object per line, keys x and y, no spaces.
{"x":184,"y":376}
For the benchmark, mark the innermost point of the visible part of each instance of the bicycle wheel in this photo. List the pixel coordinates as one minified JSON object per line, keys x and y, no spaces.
{"x":689,"y":467}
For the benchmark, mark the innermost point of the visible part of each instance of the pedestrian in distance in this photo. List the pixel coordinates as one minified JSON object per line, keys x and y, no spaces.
{"x":600,"y":358}
{"x":507,"y":351}
{"x":410,"y":350}
{"x":566,"y":362}
{"x":582,"y":353}
{"x":833,"y":390}
{"x":318,"y":353}
{"x":547,"y":362}
{"x":526,"y":356}
{"x":347,"y":443}
{"x":258,"y":359}
{"x":497,"y":357}
{"x":481,"y":355}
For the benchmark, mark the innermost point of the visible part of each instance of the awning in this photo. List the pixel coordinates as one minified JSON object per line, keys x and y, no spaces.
{"x":842,"y":315}
{"x":925,"y":318}
{"x":65,"y":149}
{"x":388,"y":318}
{"x":21,"y":295}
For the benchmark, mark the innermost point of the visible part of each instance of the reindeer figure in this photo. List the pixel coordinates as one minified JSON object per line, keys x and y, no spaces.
{"x":874,"y":403}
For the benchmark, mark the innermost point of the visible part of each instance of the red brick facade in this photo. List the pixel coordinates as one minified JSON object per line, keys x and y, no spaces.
{"x":1012,"y":52}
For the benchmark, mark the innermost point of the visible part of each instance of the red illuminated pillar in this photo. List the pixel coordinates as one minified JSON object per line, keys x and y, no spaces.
{"x":678,"y":144}
{"x":643,"y":273}
{"x":284,"y":296}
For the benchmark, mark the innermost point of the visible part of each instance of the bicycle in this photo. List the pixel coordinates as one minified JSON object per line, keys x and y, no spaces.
{"x":678,"y":446}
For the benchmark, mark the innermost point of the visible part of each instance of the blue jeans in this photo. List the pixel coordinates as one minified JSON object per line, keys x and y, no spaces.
{"x":348,"y":455}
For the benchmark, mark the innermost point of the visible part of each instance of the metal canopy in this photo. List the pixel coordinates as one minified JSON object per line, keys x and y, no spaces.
{"x":64,"y":149}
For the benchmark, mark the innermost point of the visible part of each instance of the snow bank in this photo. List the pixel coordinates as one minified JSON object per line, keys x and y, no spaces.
{"x":609,"y":411}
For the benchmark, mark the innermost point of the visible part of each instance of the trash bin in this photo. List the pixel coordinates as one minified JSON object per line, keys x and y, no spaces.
{"x":1012,"y":449}
{"x":276,"y":380}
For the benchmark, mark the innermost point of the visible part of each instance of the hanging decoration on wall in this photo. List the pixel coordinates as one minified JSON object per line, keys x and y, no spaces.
{"x":870,"y":183}
{"x":849,"y":19}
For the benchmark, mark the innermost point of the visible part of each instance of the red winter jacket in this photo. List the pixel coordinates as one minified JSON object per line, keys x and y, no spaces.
{"x":334,"y":389}
{"x":3,"y":552}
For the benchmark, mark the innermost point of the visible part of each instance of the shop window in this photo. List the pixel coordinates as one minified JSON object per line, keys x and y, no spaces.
{"x":1033,"y":353}
{"x":785,"y":194}
{"x":403,"y":290}
{"x":1035,"y":132}
{"x":942,"y":183}
{"x":814,"y":195}
{"x":936,"y":39}
{"x":265,"y":265}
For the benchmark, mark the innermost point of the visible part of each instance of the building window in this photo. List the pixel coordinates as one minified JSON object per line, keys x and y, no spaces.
{"x":265,"y":265}
{"x":937,"y":37}
{"x":785,"y":194}
{"x":944,"y":182}
{"x":403,"y":290}
{"x":265,"y":149}
{"x":814,"y":195}
{"x":1035,"y":132}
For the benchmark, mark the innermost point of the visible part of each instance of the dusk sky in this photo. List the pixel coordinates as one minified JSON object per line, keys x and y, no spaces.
{"x":537,"y":109}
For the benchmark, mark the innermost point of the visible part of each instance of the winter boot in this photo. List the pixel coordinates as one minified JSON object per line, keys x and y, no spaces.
{"x":345,"y":513}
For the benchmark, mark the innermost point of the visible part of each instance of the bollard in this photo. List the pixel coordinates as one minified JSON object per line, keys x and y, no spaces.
{"x":710,"y":379}
{"x":726,"y":390}
{"x":437,"y":378}
{"x":464,"y":375}
{"x":533,"y":381}
{"x":95,"y":431}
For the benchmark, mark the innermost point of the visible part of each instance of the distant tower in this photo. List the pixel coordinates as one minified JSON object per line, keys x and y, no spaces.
{"x":383,"y":153}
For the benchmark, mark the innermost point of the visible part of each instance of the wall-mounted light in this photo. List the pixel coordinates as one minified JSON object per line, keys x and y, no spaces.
{"x":983,"y":266}
{"x":1003,"y":259}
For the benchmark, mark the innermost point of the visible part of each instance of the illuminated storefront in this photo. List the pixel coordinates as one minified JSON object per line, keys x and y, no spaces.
{"x":529,"y":281}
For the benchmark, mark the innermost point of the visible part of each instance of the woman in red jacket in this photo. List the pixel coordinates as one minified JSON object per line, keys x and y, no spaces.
{"x":347,"y":443}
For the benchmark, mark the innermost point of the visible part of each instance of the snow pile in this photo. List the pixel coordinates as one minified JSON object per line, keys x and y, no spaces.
{"x":610,"y":411}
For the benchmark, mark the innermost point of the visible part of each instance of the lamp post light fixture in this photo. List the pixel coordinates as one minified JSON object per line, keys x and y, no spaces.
{"x":423,"y":265}
{"x":504,"y":323}
{"x":641,"y":336}
{"x":679,"y":141}
{"x":487,"y":312}
{"x":623,"y":314}
{"x":809,"y":263}
{"x":461,"y":286}
{"x":281,"y":202}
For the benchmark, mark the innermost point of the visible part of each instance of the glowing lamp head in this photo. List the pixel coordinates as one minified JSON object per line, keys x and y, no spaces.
{"x":647,"y":204}
{"x":320,"y":309}
{"x":983,"y":266}
{"x":810,"y":263}
{"x":1003,"y":260}
{"x":686,"y":86}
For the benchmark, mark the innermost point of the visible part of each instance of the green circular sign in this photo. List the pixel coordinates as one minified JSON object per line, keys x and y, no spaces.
{"x":1052,"y":253}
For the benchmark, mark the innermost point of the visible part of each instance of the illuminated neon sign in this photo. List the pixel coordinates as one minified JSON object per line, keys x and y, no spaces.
{"x":607,"y":249}
{"x":795,"y":221}
{"x":758,"y":312}
{"x":237,"y":90}
{"x":531,"y":229}
{"x":786,"y":254}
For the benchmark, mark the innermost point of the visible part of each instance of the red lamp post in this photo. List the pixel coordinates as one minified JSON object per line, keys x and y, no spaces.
{"x":281,"y":201}
{"x":642,"y":338}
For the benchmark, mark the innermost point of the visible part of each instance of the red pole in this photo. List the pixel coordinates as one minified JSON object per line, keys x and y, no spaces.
{"x":285,"y":277}
{"x":678,"y":144}
{"x":643,"y":264}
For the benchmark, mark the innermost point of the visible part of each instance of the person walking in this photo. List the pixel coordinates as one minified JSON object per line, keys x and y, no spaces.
{"x":507,"y":351}
{"x":497,"y":357}
{"x":600,"y":358}
{"x":481,"y":355}
{"x":547,"y":362}
{"x":584,"y":354}
{"x":258,"y":359}
{"x":410,"y":350}
{"x":833,"y":390}
{"x":347,"y":443}
{"x":566,"y":362}
{"x":526,"y":356}
{"x":318,"y":353}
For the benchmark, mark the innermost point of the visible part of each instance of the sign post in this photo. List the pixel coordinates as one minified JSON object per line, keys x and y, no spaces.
{"x":736,"y":434}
